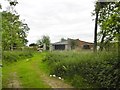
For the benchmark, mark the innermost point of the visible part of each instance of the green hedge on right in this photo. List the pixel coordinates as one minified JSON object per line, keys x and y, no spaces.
{"x":101,"y":70}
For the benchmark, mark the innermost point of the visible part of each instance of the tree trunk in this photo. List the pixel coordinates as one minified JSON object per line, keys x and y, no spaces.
{"x":95,"y":32}
{"x":102,"y":41}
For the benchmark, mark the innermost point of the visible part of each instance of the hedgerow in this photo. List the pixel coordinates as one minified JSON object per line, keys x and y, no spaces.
{"x":12,"y":56}
{"x":100,"y":69}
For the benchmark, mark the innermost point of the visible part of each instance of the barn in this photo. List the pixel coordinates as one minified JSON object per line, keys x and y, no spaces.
{"x":63,"y":45}
{"x":70,"y":44}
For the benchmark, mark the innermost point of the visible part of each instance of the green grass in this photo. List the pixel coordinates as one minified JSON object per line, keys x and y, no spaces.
{"x":28,"y":72}
{"x":0,"y":78}
{"x":80,"y":69}
{"x":86,"y":68}
{"x":14,"y":56}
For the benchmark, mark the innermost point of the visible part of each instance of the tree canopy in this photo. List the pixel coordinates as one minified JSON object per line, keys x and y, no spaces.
{"x":44,"y":41}
{"x":109,"y":22}
{"x":14,"y":31}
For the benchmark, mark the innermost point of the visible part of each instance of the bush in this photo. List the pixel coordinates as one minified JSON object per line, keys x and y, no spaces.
{"x":100,"y":69}
{"x":12,"y":56}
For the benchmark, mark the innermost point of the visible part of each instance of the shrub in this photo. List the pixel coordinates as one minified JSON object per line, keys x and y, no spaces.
{"x":100,"y":69}
{"x":12,"y":56}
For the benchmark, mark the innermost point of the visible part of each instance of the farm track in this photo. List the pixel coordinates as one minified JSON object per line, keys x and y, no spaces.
{"x":33,"y":65}
{"x":52,"y":82}
{"x":14,"y":83}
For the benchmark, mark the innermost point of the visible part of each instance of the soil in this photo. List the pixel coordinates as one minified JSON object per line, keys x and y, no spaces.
{"x":14,"y":83}
{"x":55,"y":82}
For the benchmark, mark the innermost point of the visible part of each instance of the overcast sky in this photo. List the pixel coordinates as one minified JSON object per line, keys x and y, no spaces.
{"x":57,"y":19}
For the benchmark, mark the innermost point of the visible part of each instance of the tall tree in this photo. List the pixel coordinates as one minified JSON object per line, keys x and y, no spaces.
{"x":0,"y":6}
{"x":98,"y":6}
{"x":95,"y":31}
{"x":108,"y":20}
{"x":14,"y":31}
{"x":0,"y":31}
{"x":109,"y":23}
{"x":44,"y":41}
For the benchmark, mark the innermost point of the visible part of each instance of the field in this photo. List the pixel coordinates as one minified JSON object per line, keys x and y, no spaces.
{"x":61,"y":69}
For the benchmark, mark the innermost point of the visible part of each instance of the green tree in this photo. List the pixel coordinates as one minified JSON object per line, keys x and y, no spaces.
{"x":96,"y":20}
{"x":73,"y":43}
{"x":62,"y":39}
{"x":39,"y":42}
{"x":14,"y":31}
{"x":44,"y":41}
{"x":0,"y":6}
{"x":98,"y":6}
{"x":108,"y":20}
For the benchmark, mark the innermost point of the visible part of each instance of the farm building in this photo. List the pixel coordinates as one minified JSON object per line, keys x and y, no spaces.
{"x":71,"y":44}
{"x":63,"y":45}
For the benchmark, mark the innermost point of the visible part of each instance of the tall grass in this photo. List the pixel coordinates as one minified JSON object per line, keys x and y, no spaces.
{"x":87,"y":69}
{"x":12,"y":56}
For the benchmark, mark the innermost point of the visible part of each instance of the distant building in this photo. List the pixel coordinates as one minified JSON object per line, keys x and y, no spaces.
{"x":63,"y":45}
{"x":71,"y":44}
{"x":33,"y":46}
{"x":84,"y":45}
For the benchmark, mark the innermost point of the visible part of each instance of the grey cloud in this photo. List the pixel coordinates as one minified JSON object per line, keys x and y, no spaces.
{"x":58,"y":18}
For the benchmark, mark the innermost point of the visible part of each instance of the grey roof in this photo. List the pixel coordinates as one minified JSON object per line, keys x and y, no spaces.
{"x":60,"y":43}
{"x":66,"y":42}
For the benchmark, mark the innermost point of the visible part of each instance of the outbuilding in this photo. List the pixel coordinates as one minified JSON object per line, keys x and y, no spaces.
{"x":63,"y":45}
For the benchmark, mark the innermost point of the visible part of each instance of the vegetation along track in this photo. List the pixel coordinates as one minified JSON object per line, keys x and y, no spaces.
{"x":30,"y":73}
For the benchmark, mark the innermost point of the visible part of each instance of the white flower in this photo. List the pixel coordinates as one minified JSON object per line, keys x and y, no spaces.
{"x":59,"y":78}
{"x":50,"y":75}
{"x":54,"y":75}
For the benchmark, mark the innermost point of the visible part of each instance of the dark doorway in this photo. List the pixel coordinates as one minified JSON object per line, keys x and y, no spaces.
{"x":59,"y":47}
{"x":86,"y":46}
